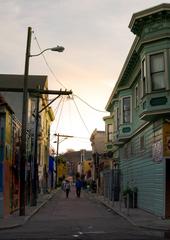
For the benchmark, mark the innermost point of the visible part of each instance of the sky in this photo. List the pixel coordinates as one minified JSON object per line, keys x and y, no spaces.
{"x":96,"y":39}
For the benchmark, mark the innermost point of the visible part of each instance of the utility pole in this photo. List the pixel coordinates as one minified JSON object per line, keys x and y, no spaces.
{"x":23,"y":149}
{"x":35,"y":166}
{"x":24,"y":127}
{"x":57,"y":153}
{"x":56,"y":163}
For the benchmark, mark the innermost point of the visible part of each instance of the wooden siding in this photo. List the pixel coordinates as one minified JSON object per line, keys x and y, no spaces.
{"x":141,"y":171}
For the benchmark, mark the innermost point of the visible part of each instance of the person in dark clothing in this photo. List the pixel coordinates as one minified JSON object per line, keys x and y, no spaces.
{"x":78,"y":187}
{"x":67,"y":188}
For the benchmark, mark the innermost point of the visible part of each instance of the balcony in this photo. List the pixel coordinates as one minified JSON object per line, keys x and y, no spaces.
{"x":125,"y":132}
{"x":155,"y":105}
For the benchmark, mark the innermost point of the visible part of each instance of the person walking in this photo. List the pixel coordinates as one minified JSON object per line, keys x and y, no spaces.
{"x":78,"y":187}
{"x":67,"y":188}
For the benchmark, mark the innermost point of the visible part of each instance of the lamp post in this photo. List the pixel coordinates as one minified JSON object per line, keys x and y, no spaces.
{"x":24,"y":118}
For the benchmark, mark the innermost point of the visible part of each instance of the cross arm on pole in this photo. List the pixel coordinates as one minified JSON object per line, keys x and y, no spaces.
{"x":40,"y":91}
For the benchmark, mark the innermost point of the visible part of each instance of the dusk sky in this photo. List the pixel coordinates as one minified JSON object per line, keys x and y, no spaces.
{"x":96,"y":39}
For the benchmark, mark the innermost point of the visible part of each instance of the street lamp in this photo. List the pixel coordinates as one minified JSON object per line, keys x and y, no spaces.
{"x":54,"y":49}
{"x":25,"y":116}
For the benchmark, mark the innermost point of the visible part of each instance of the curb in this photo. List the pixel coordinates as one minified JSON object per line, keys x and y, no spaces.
{"x":26,"y":218}
{"x":164,"y":229}
{"x":132,"y":222}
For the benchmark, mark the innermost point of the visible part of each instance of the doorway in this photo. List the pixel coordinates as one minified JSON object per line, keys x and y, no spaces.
{"x":167,"y":192}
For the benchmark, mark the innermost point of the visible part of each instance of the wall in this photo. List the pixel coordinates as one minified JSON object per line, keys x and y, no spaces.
{"x":141,"y":170}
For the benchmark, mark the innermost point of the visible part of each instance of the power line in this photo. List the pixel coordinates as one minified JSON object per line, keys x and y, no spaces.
{"x":80,"y":137}
{"x":60,"y":114}
{"x":35,"y":38}
{"x":88,"y":104}
{"x":61,"y":82}
{"x":81,"y":116}
{"x":56,"y":111}
{"x":57,"y":107}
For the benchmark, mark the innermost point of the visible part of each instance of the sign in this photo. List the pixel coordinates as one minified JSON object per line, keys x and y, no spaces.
{"x":166,"y":140}
{"x":157,"y":151}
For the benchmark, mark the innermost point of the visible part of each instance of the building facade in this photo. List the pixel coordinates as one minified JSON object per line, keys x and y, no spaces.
{"x":10,"y":129}
{"x":39,"y":119}
{"x":140,"y":103}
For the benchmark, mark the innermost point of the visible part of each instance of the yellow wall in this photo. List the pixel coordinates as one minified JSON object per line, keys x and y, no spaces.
{"x":87,"y":166}
{"x":61,"y":170}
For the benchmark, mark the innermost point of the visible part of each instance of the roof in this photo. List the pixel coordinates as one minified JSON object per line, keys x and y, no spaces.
{"x":96,"y":132}
{"x":135,"y":21}
{"x":4,"y":103}
{"x":17,"y":81}
{"x":75,"y":156}
{"x":136,"y":17}
{"x":131,"y":52}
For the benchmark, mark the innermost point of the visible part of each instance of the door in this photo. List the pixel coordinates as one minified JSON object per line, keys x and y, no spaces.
{"x":167,"y":193}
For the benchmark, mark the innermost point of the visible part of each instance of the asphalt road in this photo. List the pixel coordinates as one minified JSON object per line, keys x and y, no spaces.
{"x":78,"y":218}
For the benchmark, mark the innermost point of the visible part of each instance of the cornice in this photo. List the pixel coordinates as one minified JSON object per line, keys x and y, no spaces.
{"x":140,"y":19}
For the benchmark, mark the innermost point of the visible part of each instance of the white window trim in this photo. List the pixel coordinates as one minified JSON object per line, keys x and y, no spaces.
{"x":121,"y":117}
{"x":146,"y":77}
{"x":165,"y":53}
{"x":109,"y":132}
{"x":136,"y":102}
{"x":116,"y":118}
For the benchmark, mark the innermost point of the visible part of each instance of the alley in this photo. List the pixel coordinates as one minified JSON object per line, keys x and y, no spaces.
{"x":77,"y":218}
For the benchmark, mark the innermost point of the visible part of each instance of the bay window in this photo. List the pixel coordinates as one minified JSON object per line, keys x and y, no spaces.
{"x":109,"y":132}
{"x":143,"y":75}
{"x":157,"y":71}
{"x":126,"y":110}
{"x":136,"y":95}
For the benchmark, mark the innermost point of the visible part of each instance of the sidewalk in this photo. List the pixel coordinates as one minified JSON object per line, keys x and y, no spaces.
{"x":136,"y":216}
{"x":14,"y":220}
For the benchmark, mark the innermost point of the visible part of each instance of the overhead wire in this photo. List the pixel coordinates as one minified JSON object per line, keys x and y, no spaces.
{"x":57,"y":107}
{"x":56,"y":111}
{"x":81,"y":116}
{"x":88,"y":104}
{"x":60,"y":114}
{"x":73,"y":95}
{"x":52,"y":72}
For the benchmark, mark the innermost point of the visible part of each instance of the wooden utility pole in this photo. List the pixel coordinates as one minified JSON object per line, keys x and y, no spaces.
{"x":24,"y":127}
{"x":57,"y":153}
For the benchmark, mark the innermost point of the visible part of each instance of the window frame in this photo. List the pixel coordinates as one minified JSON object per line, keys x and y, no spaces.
{"x":144,"y":77}
{"x":117,"y":119}
{"x":137,"y":95}
{"x":156,"y":72}
{"x":109,"y":133}
{"x":122,"y":110}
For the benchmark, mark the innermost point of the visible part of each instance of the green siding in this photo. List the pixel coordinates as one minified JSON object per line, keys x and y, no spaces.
{"x":139,"y":170}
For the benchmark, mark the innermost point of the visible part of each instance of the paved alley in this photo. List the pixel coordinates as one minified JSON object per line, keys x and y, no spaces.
{"x":77,"y":218}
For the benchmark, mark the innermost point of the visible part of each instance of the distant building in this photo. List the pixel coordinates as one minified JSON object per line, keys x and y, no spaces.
{"x":99,"y":161}
{"x":75,"y":160}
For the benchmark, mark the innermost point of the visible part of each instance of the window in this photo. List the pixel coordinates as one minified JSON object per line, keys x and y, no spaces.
{"x":126,"y":110}
{"x":136,"y":95}
{"x":117,"y":119}
{"x":109,"y":132}
{"x":157,"y":69}
{"x":142,"y":142}
{"x":143,"y":77}
{"x":125,"y":152}
{"x":33,"y":109}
